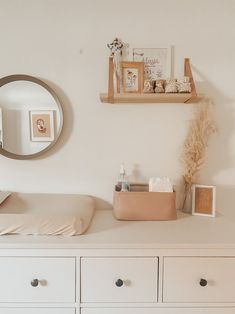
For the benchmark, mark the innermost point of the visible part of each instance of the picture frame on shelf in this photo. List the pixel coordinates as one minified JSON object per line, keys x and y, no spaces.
{"x":157,"y":61}
{"x":203,"y":200}
{"x":132,"y":76}
{"x":42,"y":125}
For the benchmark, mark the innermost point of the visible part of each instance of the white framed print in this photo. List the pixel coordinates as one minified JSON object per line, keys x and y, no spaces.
{"x":157,"y":61}
{"x":42,"y":125}
{"x":203,"y":200}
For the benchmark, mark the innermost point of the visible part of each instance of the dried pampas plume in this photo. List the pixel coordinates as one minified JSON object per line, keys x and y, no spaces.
{"x":194,"y":151}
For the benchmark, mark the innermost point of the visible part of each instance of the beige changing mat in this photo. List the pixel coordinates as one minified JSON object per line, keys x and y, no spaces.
{"x":46,"y":214}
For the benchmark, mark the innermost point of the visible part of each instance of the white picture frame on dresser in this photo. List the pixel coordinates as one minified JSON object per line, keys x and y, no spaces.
{"x":203,"y":200}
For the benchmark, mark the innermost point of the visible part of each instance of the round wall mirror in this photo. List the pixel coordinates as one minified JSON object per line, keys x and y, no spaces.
{"x":31,"y":117}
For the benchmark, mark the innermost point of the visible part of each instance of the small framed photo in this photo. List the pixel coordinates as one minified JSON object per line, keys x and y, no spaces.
{"x":42,"y":125}
{"x":203,"y":200}
{"x":157,"y":61}
{"x":132,"y":76}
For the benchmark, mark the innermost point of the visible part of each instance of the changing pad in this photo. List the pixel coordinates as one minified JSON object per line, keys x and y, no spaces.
{"x":46,"y":214}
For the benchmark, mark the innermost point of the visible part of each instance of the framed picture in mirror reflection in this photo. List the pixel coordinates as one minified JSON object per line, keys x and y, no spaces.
{"x":42,"y":125}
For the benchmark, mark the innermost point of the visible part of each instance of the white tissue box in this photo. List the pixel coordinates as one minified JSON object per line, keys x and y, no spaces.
{"x":160,"y":185}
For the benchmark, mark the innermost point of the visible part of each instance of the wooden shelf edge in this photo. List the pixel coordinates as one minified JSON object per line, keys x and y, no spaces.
{"x":132,"y":98}
{"x":195,"y":99}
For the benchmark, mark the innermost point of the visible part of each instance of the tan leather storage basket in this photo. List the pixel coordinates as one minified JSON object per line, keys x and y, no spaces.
{"x":144,"y":205}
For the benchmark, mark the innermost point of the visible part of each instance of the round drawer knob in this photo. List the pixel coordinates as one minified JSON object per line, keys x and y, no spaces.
{"x":203,"y":282}
{"x":34,"y":282}
{"x":119,"y":283}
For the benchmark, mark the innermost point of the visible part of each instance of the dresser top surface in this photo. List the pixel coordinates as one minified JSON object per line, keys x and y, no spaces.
{"x":107,"y":232}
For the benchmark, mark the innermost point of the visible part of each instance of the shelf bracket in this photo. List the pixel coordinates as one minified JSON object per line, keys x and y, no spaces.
{"x":111,"y":83}
{"x":188,"y":72}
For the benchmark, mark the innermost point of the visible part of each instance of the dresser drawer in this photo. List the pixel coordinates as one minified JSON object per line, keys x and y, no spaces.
{"x":119,"y":279}
{"x":36,"y":311}
{"x":199,"y":279}
{"x":37,"y":279}
{"x":158,"y":311}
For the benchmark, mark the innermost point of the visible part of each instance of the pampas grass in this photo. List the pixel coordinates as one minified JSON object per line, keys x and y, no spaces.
{"x":196,"y":143}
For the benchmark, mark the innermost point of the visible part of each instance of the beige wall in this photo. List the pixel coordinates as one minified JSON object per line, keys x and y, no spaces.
{"x":64,"y":42}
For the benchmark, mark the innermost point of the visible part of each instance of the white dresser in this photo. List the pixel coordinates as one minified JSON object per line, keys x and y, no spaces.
{"x":177,"y":267}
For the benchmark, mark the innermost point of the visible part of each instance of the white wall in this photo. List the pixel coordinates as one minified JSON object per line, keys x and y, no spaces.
{"x":64,"y":42}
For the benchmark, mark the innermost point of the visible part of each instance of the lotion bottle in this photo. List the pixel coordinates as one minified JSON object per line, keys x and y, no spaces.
{"x":122,"y":181}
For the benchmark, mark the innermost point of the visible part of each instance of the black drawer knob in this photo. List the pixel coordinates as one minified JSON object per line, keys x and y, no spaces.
{"x":203,"y":282}
{"x":34,"y":282}
{"x":119,"y":283}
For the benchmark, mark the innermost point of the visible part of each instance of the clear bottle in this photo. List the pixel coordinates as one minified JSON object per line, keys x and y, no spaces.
{"x":122,"y":185}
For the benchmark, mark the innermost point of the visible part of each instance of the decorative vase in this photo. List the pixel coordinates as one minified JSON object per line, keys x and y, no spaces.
{"x":187,"y":199}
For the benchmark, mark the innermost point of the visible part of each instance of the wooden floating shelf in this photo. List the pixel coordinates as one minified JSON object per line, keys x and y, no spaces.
{"x":131,"y":98}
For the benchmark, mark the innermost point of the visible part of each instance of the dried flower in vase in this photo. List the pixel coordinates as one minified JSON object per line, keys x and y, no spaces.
{"x":116,"y":47}
{"x":196,"y":143}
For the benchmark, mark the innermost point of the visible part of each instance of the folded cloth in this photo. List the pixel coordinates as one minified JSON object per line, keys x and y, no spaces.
{"x":171,"y":86}
{"x":184,"y":87}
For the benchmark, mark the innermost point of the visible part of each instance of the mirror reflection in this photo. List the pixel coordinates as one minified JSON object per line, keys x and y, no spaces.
{"x":30,"y":117}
